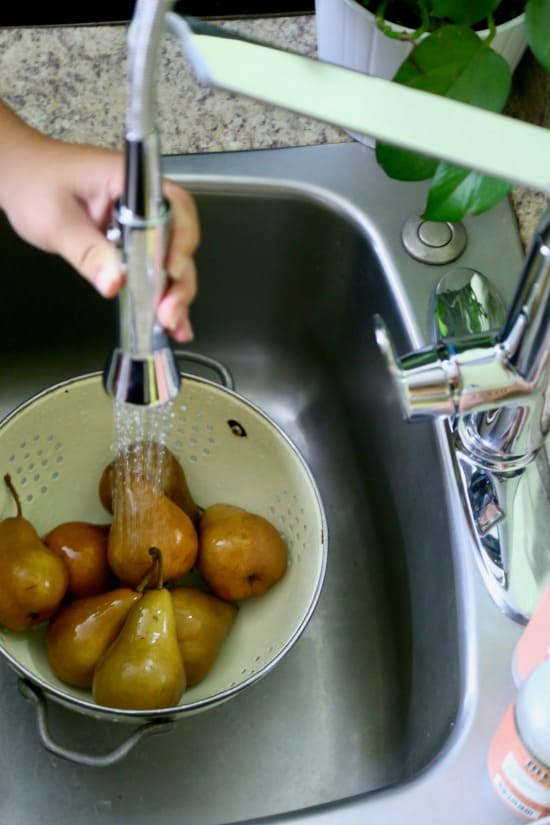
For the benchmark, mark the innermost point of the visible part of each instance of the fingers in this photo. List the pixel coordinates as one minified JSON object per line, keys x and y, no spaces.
{"x":79,"y":239}
{"x":173,"y":309}
{"x":85,"y":247}
{"x":184,"y":225}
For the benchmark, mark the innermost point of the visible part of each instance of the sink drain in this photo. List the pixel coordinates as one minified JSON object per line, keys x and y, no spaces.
{"x":433,"y":242}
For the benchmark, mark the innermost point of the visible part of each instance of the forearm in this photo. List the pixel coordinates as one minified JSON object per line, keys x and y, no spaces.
{"x":11,"y":126}
{"x":18,"y":144}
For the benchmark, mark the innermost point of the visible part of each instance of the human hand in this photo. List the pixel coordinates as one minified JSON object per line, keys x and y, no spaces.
{"x":59,"y":197}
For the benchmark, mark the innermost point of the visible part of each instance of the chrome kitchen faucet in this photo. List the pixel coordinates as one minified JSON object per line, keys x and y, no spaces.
{"x":142,"y":368}
{"x":493,"y":387}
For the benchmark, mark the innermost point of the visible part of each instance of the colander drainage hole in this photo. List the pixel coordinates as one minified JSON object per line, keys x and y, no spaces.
{"x":236,"y":428}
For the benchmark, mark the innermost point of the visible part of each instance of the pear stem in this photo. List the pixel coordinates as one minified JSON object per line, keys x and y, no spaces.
{"x":145,"y":580}
{"x":13,"y":491}
{"x":156,"y":554}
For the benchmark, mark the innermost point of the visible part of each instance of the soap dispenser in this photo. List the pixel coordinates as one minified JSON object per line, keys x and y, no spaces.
{"x":519,"y":755}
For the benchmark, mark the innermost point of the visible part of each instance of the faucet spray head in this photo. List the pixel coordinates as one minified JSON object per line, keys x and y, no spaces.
{"x":145,"y":380}
{"x":142,"y":368}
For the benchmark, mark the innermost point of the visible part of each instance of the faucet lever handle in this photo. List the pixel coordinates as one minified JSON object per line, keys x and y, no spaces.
{"x":425,"y":379}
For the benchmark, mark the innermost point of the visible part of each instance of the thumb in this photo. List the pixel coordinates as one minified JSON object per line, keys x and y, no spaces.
{"x":94,"y":257}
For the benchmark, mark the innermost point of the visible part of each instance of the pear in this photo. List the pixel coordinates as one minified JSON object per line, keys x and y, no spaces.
{"x":202,"y":624}
{"x":83,"y":548}
{"x":145,"y":517}
{"x":82,"y":630}
{"x":241,"y":554}
{"x":143,"y":669}
{"x":33,"y":579}
{"x":151,"y":460}
{"x":216,"y":512}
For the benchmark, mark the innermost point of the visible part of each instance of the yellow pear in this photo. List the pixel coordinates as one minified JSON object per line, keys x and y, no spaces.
{"x":241,"y":554}
{"x":145,"y":517}
{"x":83,"y":548}
{"x":142,"y":669}
{"x":148,"y":459}
{"x":202,"y":624}
{"x":33,"y":579}
{"x":82,"y":630}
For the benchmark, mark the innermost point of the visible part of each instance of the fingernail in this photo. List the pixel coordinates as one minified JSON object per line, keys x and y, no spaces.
{"x":181,"y":328}
{"x":189,"y":333}
{"x":179,"y":315}
{"x":107,"y":280}
{"x":185,"y":334}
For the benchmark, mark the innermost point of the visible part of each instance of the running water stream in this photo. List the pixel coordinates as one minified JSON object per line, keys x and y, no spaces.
{"x":139,"y":435}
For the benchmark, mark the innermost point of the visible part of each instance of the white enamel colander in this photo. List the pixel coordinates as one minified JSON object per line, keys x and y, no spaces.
{"x":55,"y":447}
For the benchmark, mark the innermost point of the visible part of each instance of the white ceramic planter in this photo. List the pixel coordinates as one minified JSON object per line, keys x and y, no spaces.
{"x":347,"y":35}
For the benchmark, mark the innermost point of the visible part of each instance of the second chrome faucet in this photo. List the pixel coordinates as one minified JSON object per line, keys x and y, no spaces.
{"x":494,"y":388}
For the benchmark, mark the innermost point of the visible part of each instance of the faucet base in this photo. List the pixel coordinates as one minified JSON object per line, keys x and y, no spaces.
{"x":509,"y":517}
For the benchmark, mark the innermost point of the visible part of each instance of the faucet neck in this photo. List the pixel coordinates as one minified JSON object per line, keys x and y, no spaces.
{"x":526,"y":331}
{"x":144,"y":46}
{"x":142,"y":368}
{"x":142,"y":195}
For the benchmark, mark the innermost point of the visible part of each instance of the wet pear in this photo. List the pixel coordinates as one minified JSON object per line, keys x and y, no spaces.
{"x":149,"y":459}
{"x":145,"y":517}
{"x":143,"y":668}
{"x":202,"y":624}
{"x":241,"y":554}
{"x":83,"y":548}
{"x":82,"y":630}
{"x":33,"y":579}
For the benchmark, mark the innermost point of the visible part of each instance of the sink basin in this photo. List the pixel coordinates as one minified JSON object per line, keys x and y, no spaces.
{"x":300,"y":249}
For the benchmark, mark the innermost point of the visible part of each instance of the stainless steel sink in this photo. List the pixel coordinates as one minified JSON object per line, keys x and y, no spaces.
{"x":402,"y":674}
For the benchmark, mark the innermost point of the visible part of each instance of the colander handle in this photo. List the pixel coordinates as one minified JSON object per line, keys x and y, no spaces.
{"x":37,"y":698}
{"x":224,"y":375}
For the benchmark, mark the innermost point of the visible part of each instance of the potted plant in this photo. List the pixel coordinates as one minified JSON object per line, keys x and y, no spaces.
{"x":463,"y":49}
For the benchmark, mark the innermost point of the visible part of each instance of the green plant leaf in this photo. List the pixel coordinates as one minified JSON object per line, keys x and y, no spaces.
{"x":537,"y":27}
{"x":455,"y":62}
{"x":452,"y":61}
{"x":456,"y":192}
{"x":464,"y":11}
{"x":403,"y":165}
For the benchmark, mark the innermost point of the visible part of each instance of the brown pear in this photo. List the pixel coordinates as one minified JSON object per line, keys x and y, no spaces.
{"x":143,"y":669}
{"x":241,"y":554}
{"x":216,"y":512}
{"x":82,"y":630}
{"x":145,"y":517}
{"x":202,"y":624}
{"x":33,"y":579}
{"x":83,"y":548}
{"x":148,"y":459}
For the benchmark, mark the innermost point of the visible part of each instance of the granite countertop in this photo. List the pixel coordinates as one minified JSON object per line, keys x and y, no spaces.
{"x":70,"y":82}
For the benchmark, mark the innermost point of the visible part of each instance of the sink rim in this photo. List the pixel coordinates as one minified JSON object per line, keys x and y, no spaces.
{"x":485,"y":635}
{"x":434,"y":791}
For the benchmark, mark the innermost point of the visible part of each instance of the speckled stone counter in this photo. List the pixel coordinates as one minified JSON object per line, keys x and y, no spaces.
{"x":70,"y":82}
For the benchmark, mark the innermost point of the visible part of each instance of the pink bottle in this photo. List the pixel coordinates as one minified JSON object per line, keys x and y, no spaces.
{"x":534,"y":644}
{"x":519,"y":755}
